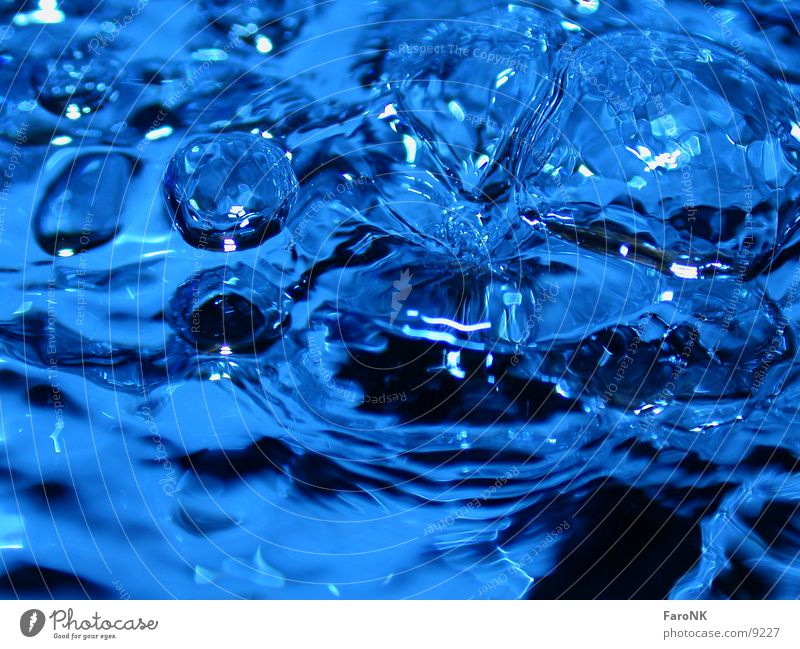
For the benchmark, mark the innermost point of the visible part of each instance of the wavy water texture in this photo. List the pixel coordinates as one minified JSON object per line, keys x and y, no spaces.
{"x":399,"y":299}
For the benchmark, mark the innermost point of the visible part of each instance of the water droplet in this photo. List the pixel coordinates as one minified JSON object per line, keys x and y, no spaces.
{"x":81,"y":209}
{"x":75,"y":84}
{"x":278,"y":21}
{"x":230,"y":191}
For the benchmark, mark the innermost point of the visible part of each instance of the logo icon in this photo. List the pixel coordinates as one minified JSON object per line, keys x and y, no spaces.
{"x":402,"y":290}
{"x":31,"y":622}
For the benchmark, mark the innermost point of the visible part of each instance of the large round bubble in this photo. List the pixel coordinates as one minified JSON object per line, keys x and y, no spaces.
{"x":465,"y":86}
{"x":230,"y":191}
{"x":673,"y":144}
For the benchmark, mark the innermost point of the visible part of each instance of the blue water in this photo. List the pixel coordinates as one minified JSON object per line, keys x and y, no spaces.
{"x":399,"y":299}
